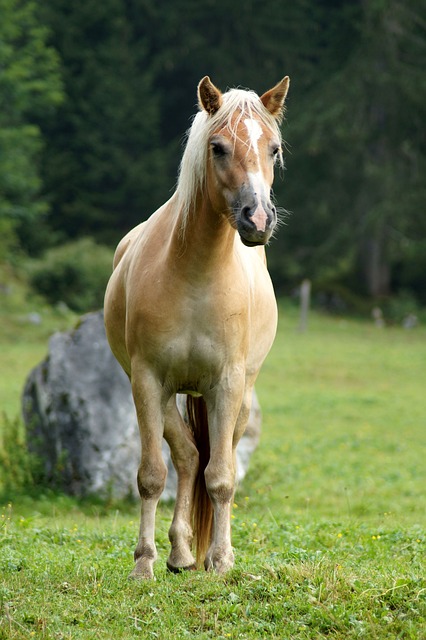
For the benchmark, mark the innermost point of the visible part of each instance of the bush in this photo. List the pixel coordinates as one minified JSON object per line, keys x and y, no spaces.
{"x":19,"y":469}
{"x":402,"y":307}
{"x":76,"y":274}
{"x":9,"y":245}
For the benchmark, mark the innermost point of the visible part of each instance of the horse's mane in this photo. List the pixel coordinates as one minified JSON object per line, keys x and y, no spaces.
{"x":193,"y":167}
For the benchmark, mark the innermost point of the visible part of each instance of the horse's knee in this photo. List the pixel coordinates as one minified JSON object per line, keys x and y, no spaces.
{"x":220,"y":486}
{"x":151,"y":480}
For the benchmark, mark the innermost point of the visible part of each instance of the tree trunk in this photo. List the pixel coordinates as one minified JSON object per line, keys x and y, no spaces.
{"x":374,"y":264}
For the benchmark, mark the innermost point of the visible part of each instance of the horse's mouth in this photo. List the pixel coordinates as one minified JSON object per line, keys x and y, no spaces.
{"x":251,"y":243}
{"x":254,"y":239}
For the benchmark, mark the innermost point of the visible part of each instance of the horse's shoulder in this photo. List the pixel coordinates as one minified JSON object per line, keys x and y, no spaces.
{"x":143,"y":229}
{"x":126,"y":242}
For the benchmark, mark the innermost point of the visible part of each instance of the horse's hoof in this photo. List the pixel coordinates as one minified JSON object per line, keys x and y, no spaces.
{"x":141,"y":572}
{"x":136,"y":575}
{"x":220,"y":563}
{"x":172,"y":569}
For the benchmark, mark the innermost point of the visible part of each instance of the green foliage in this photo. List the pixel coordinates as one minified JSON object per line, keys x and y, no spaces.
{"x":29,"y":86}
{"x":400,"y":309}
{"x":103,"y":161}
{"x":76,"y":274}
{"x":358,"y":143}
{"x":107,"y":156}
{"x":9,"y":244}
{"x":19,"y":470}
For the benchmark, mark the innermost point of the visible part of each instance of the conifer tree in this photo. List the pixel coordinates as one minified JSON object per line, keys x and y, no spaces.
{"x":29,"y":86}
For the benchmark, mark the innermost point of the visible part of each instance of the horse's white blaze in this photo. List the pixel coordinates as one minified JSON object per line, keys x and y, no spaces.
{"x":257,"y":180}
{"x":261,"y":190}
{"x":255,"y":131}
{"x":259,"y":185}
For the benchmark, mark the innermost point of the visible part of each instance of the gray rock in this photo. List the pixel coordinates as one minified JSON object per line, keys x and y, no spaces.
{"x":80,"y":418}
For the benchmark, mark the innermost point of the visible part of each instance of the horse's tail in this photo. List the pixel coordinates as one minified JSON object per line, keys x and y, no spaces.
{"x":202,"y":511}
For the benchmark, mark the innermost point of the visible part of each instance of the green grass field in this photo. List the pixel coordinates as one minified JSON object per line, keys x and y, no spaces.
{"x":328,"y":527}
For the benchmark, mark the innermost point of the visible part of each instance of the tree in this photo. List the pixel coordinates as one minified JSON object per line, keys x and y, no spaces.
{"x":363,"y":144}
{"x":130,"y":73}
{"x":103,"y":161}
{"x":356,"y":141}
{"x":29,"y":86}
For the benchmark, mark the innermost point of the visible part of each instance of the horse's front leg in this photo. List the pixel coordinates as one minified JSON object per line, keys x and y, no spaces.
{"x":152,"y":471}
{"x":228,"y":416}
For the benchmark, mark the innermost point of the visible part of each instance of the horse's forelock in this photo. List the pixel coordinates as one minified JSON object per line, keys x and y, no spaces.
{"x":193,"y":167}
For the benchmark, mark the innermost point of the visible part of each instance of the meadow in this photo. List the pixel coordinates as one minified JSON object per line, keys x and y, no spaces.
{"x":328,"y":525}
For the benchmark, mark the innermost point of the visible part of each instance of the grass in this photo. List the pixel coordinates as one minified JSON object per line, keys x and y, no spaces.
{"x":328,"y":526}
{"x":26,"y":323}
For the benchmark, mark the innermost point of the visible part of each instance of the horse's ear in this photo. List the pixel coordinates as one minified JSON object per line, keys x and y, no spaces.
{"x":273,"y":99}
{"x":209,"y":96}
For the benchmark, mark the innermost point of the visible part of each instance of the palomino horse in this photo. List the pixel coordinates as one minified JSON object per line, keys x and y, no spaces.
{"x":190,"y":309}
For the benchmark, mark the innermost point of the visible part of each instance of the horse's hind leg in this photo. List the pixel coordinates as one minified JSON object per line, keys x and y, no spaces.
{"x":185,"y":459}
{"x":152,"y":472}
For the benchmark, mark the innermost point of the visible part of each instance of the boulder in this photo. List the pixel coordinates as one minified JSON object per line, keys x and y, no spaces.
{"x":81,"y":422}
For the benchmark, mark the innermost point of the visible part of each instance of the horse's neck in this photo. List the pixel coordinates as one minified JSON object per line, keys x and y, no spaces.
{"x":206,"y":240}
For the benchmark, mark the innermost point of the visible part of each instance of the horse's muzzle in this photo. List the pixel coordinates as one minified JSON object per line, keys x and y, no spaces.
{"x":256,"y":224}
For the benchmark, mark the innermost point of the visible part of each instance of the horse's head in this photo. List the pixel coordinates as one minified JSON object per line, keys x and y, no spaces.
{"x":244,"y":146}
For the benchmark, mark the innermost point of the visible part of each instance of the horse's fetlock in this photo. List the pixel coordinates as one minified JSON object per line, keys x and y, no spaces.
{"x":145,"y":550}
{"x":180,"y":532}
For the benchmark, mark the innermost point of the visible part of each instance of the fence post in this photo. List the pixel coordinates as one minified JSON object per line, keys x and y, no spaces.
{"x":305,"y":298}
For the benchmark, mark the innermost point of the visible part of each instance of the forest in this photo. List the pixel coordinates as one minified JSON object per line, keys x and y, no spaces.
{"x":95,"y":99}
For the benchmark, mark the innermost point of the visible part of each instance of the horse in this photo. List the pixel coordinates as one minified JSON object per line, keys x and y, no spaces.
{"x":190,"y":309}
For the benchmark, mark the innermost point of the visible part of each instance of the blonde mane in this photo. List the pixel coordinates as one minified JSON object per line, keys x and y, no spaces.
{"x":193,"y":167}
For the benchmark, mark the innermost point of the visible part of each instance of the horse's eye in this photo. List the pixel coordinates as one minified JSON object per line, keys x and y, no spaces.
{"x":218,"y":150}
{"x":276,"y":155}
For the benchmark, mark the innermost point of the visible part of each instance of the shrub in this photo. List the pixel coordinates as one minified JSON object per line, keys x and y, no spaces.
{"x":19,"y":469}
{"x":398,"y":308}
{"x":76,"y":274}
{"x":9,"y":245}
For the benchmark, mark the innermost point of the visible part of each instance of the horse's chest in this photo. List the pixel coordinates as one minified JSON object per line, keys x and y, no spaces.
{"x":195,"y":342}
{"x":205,"y":339}
{"x":191,"y":361}
{"x":192,"y":336}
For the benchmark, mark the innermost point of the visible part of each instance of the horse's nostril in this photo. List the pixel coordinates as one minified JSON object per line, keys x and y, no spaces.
{"x":247,"y":212}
